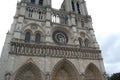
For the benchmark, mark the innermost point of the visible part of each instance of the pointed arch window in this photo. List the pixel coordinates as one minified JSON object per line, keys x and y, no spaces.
{"x":27,"y":37}
{"x":78,"y":8}
{"x":30,"y":13}
{"x":73,"y":6}
{"x":37,"y":38}
{"x":33,"y":1}
{"x":40,"y":2}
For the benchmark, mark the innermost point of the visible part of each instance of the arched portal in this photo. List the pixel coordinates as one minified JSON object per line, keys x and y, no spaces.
{"x":92,"y":73}
{"x":28,"y":72}
{"x":65,"y":70}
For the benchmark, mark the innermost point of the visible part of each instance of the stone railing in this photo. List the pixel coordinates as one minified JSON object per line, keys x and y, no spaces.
{"x":53,"y":51}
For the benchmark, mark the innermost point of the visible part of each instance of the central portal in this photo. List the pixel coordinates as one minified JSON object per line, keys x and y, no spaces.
{"x":62,"y":75}
{"x":65,"y":70}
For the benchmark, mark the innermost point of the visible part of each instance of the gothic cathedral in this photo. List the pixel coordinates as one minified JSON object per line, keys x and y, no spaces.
{"x":49,"y":44}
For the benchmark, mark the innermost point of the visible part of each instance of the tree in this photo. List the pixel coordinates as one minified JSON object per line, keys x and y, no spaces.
{"x":115,"y":76}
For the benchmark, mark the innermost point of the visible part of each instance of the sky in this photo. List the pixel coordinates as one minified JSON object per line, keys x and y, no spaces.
{"x":105,"y":15}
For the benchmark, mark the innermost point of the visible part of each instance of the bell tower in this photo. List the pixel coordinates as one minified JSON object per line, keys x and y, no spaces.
{"x":38,"y":2}
{"x":76,"y":6}
{"x":49,"y":44}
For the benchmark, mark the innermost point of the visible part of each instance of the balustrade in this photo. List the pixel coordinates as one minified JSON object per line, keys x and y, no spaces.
{"x":53,"y":51}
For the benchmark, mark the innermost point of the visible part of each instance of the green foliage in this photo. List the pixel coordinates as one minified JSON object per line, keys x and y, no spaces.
{"x":115,"y":76}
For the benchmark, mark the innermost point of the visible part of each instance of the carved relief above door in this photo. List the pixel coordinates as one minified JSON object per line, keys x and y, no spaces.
{"x":65,"y":70}
{"x":28,"y":71}
{"x":62,"y":75}
{"x":92,"y":73}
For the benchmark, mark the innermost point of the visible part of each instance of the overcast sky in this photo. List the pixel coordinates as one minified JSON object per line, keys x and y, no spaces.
{"x":106,"y":24}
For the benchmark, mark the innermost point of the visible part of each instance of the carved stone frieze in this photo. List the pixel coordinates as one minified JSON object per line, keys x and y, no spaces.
{"x":53,"y":51}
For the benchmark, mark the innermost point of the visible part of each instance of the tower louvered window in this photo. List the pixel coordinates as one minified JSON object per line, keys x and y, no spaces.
{"x":40,"y":2}
{"x":78,"y":8}
{"x":73,"y":6}
{"x":33,"y":1}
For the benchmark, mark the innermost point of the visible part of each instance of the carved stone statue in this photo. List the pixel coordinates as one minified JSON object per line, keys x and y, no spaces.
{"x":47,"y":76}
{"x":7,"y":76}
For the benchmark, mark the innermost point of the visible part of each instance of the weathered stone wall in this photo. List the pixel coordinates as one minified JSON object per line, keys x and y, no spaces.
{"x":79,"y":57}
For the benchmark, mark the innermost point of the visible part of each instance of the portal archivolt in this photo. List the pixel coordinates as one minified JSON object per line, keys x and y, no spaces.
{"x":64,"y":70}
{"x":92,"y":73}
{"x":28,"y":72}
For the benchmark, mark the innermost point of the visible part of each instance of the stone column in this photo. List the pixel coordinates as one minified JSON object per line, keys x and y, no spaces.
{"x":47,"y":3}
{"x":48,"y":25}
{"x":17,"y":32}
{"x":73,"y":23}
{"x":82,"y":76}
{"x":68,"y":6}
{"x":18,"y":22}
{"x":7,"y":76}
{"x":89,"y":24}
{"x":95,"y":44}
{"x":69,"y":21}
{"x":75,"y":37}
{"x":105,"y":76}
{"x":22,"y":9}
{"x":47,"y":77}
{"x":74,"y":29}
{"x":84,"y":8}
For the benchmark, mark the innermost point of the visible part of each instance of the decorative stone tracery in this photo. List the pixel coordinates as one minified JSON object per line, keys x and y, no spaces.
{"x":36,"y":13}
{"x":53,"y":51}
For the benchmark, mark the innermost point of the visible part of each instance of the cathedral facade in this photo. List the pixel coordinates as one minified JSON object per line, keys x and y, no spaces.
{"x":49,"y":44}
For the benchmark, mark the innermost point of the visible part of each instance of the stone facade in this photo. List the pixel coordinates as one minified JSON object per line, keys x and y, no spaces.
{"x":48,"y":44}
